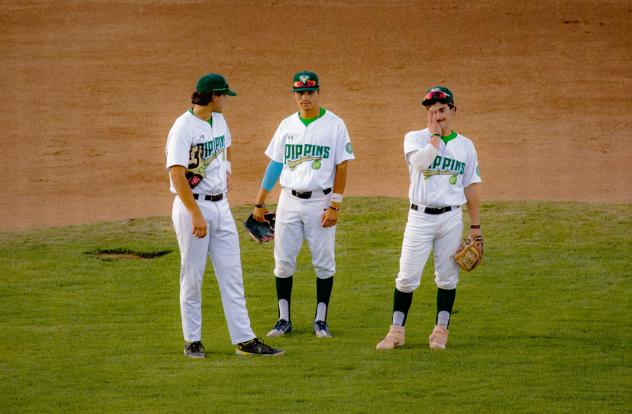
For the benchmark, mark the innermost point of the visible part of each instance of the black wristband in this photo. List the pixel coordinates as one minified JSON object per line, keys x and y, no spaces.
{"x":475,"y":226}
{"x":436,"y":135}
{"x":333,"y":208}
{"x":260,"y":205}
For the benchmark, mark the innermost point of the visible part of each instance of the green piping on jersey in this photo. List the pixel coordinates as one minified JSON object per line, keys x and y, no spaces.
{"x":306,"y":122}
{"x":210,"y":120}
{"x":449,"y":138}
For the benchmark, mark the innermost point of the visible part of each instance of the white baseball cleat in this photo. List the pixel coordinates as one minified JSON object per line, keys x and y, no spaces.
{"x":438,"y":338}
{"x":394,"y":338}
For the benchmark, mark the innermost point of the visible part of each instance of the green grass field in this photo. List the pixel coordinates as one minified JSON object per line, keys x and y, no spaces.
{"x":544,"y":325}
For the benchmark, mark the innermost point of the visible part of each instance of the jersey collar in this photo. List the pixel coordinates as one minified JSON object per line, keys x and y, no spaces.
{"x":448,"y":138}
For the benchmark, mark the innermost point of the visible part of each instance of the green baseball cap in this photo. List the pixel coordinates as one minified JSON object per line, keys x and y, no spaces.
{"x":212,"y":82}
{"x":305,"y":81}
{"x":438,"y":94}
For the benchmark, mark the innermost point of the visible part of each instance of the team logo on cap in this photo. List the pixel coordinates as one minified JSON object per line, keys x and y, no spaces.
{"x":304,"y":78}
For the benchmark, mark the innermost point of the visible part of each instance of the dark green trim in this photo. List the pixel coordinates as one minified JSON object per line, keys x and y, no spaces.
{"x":306,"y":122}
{"x":210,"y":120}
{"x":449,"y":138}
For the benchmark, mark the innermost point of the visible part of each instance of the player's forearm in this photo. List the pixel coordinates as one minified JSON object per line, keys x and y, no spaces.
{"x":177,"y":174}
{"x":340,"y":180}
{"x":421,"y":159}
{"x":261,"y":196}
{"x":473,"y":203}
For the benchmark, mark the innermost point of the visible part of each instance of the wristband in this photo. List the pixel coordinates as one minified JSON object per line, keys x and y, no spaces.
{"x":336,"y":198}
{"x":228,"y":167}
{"x":475,"y":226}
{"x":260,"y":205}
{"x":333,"y":208}
{"x":436,"y":135}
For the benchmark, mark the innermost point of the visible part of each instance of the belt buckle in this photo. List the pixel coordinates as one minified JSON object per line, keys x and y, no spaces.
{"x":304,"y":195}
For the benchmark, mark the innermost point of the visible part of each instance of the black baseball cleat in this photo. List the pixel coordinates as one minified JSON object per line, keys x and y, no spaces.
{"x":281,"y":327}
{"x":256,"y":347}
{"x":194,"y":350}
{"x":321,"y":330}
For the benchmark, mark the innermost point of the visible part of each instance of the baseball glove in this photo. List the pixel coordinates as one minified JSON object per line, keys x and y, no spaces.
{"x":258,"y":231}
{"x":470,"y":253}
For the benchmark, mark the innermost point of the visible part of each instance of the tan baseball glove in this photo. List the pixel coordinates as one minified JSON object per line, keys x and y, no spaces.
{"x":470,"y":253}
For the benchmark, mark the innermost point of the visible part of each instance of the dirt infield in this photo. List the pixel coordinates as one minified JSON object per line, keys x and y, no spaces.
{"x":90,"y":90}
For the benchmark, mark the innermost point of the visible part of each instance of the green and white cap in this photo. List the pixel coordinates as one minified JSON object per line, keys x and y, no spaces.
{"x":212,"y":82}
{"x":438,"y":94}
{"x":305,"y":81}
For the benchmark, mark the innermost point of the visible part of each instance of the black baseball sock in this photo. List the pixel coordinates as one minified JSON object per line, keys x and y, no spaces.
{"x":323,"y":294}
{"x":284,"y":293}
{"x":445,"y":302}
{"x":401,"y":305}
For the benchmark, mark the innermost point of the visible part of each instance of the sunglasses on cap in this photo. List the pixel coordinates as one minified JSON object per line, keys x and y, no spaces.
{"x":309,"y":84}
{"x":438,"y":95}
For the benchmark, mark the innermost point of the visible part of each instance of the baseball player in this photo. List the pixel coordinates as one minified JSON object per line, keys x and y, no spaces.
{"x":198,"y":161}
{"x":444,"y":175}
{"x":309,"y":152}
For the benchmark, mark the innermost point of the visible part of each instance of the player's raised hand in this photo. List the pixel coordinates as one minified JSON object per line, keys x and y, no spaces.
{"x":433,"y":125}
{"x":435,"y":129}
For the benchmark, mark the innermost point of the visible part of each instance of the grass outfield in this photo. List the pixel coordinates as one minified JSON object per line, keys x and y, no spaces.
{"x":543,"y":326}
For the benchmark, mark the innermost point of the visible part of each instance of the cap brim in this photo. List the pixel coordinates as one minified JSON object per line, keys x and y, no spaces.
{"x":231,"y":93}
{"x":429,"y":102}
{"x":305,"y":89}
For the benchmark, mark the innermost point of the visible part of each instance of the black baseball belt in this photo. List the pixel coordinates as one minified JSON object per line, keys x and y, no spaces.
{"x":308,"y":194}
{"x":209,"y":197}
{"x":433,"y":210}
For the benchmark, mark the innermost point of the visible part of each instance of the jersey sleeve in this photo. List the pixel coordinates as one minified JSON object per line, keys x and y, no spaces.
{"x":178,"y":147}
{"x":413,"y":141}
{"x":344,"y":150}
{"x":229,"y":137}
{"x":276,"y":149}
{"x":472,"y":173}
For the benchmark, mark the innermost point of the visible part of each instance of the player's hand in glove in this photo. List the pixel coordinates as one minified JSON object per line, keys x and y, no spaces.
{"x":470,"y":253}
{"x":261,"y":232}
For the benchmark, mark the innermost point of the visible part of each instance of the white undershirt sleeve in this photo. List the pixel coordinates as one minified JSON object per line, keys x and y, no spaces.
{"x":421,"y":159}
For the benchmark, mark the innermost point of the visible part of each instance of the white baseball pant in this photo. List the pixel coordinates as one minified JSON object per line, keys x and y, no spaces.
{"x":221,"y":244}
{"x":440,"y":233}
{"x":298,"y":219}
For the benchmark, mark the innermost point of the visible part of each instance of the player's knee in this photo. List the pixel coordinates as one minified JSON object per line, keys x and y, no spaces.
{"x":447,"y":283}
{"x":324,"y":274}
{"x":406,"y":285}
{"x":284,"y":271}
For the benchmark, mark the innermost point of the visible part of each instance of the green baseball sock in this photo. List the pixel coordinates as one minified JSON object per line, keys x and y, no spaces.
{"x":445,"y":302}
{"x":284,"y":293}
{"x":401,"y":305}
{"x":323,"y":294}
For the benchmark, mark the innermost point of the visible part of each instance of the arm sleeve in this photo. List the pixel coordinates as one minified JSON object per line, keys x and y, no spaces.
{"x":272,"y":175}
{"x":344,"y":151}
{"x":421,"y":159}
{"x":471,"y":175}
{"x":178,"y":147}
{"x":276,"y":148}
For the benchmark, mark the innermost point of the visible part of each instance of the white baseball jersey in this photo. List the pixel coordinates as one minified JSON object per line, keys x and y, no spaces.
{"x":453,"y":169}
{"x":201,"y":148}
{"x":309,"y":154}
